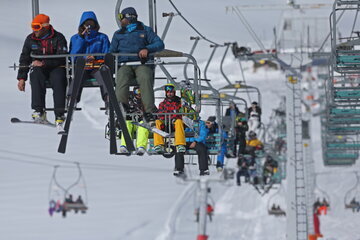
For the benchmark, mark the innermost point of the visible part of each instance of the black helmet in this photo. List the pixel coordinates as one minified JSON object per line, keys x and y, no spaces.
{"x":252,"y":134}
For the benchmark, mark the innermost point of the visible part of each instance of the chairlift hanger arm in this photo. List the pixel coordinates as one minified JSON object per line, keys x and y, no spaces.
{"x":222,"y":63}
{"x":191,"y":53}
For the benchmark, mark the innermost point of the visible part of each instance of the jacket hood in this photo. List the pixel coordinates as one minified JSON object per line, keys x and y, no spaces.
{"x":88,"y":15}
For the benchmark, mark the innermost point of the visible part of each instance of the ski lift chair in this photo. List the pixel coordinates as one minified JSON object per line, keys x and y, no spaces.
{"x":322,"y":199}
{"x":352,"y":197}
{"x":69,"y":204}
{"x":345,"y":55}
{"x":70,"y":65}
{"x":273,"y":204}
{"x":170,"y":149}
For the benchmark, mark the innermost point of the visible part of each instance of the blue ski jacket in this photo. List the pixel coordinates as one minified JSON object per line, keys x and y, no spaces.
{"x":203,"y":132}
{"x":94,"y":42}
{"x":133,"y":38}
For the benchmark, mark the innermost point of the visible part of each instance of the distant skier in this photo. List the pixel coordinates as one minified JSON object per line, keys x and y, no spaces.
{"x":136,"y":109}
{"x":254,"y":113}
{"x":241,"y":129}
{"x":171,"y":104}
{"x":198,"y":144}
{"x":135,"y":37}
{"x":89,"y":40}
{"x":214,"y":128}
{"x":253,"y":144}
{"x":243,"y":165}
{"x":44,"y":41}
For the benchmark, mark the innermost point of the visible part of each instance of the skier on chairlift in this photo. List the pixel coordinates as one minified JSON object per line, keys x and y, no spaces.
{"x":44,"y":40}
{"x":136,"y":108}
{"x":134,"y":37}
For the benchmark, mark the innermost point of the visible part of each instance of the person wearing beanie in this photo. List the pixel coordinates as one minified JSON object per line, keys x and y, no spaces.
{"x":44,"y":40}
{"x":89,"y":40}
{"x":134,"y":37}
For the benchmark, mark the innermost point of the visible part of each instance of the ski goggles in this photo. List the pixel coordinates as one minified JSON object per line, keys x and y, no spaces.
{"x":169,"y":88}
{"x":122,"y":16}
{"x":137,"y":91}
{"x":38,"y":26}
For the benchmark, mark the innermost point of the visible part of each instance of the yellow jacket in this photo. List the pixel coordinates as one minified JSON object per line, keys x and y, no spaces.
{"x":254,"y":142}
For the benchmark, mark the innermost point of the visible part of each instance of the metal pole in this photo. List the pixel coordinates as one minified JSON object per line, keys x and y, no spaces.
{"x":117,"y":11}
{"x":151,"y":14}
{"x":35,"y":8}
{"x":203,"y":184}
{"x":191,"y":52}
{"x":222,"y":63}
{"x":170,"y":15}
{"x":296,"y":190}
{"x":309,"y":176}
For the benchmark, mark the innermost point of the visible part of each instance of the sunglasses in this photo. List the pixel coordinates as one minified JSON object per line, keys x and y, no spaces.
{"x":38,"y":26}
{"x":122,"y":16}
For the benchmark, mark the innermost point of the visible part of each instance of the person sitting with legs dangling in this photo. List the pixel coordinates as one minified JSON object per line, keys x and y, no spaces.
{"x":42,"y":42}
{"x":134,"y":37}
{"x":142,"y":134}
{"x":171,"y":104}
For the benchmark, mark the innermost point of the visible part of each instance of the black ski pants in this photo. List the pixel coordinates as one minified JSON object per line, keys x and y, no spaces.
{"x":202,"y":153}
{"x":57,"y":78}
{"x":242,"y":172}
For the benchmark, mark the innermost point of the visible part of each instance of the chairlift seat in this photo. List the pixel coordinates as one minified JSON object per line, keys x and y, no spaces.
{"x":344,"y":129}
{"x":344,"y":120}
{"x":74,"y":206}
{"x":347,"y":94}
{"x":277,"y":212}
{"x":339,"y":162}
{"x":344,"y":145}
{"x":339,"y":111}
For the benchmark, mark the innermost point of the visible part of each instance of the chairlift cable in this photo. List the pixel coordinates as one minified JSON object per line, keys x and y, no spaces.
{"x":191,"y":24}
{"x":249,"y":28}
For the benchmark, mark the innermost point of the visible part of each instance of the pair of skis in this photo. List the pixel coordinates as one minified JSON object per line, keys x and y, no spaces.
{"x":105,"y":74}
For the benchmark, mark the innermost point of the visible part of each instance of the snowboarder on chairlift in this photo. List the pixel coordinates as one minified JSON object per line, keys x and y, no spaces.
{"x":171,"y":104}
{"x":44,"y":40}
{"x":136,"y":109}
{"x":134,"y":37}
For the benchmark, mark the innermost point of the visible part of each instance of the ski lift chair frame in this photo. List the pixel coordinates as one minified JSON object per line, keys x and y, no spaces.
{"x":276,"y":213}
{"x":196,"y":87}
{"x":226,"y":101}
{"x":233,"y":89}
{"x":67,"y":207}
{"x":345,"y":56}
{"x":322,"y":192}
{"x":349,"y":196}
{"x":214,"y":141}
